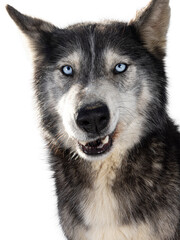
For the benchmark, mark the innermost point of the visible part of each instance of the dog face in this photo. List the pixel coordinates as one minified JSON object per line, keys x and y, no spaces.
{"x":100,"y":87}
{"x":106,"y":92}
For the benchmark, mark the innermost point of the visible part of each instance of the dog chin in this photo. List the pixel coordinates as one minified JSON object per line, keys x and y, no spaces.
{"x":92,"y":158}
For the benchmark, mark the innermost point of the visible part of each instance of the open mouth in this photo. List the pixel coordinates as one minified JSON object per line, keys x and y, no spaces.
{"x":100,"y":146}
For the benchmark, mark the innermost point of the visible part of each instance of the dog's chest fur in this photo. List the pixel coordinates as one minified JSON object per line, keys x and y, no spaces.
{"x":101,"y":211}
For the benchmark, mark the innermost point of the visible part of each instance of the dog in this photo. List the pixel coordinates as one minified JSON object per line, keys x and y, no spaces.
{"x":113,"y":149}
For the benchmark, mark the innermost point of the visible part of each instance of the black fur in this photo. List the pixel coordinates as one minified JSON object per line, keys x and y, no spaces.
{"x":147,"y":185}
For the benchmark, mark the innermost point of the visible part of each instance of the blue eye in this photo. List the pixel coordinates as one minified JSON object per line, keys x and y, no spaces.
{"x":67,"y":70}
{"x":120,"y":68}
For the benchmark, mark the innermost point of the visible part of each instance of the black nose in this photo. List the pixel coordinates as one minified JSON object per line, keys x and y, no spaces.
{"x":93,"y":118}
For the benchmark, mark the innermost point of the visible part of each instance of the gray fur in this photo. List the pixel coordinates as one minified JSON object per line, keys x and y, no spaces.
{"x":132,"y":191}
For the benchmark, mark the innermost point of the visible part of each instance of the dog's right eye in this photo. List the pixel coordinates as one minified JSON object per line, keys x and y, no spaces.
{"x":67,"y":70}
{"x":120,"y":68}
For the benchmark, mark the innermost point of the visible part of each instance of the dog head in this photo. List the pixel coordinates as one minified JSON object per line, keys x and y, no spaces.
{"x":100,"y":86}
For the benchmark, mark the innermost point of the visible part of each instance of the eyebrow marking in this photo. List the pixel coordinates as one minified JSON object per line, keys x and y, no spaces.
{"x":112,"y":58}
{"x":73,"y":59}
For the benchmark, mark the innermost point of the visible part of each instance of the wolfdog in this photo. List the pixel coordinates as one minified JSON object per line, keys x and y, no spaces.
{"x":113,"y":149}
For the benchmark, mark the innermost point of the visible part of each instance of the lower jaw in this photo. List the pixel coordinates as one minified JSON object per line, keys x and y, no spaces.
{"x":94,"y":158}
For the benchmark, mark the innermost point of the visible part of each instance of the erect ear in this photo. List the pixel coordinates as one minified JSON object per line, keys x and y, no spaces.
{"x":152,"y":23}
{"x":38,"y":31}
{"x":30,"y":26}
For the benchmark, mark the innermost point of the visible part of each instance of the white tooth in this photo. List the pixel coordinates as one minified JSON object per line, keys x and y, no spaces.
{"x":105,"y":140}
{"x":83,"y":143}
{"x":100,"y":146}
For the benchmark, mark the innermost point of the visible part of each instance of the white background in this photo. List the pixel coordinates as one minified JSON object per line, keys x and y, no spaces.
{"x":27,"y":196}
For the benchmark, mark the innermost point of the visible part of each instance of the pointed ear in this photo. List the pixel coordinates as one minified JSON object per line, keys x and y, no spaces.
{"x":39,"y":32}
{"x":152,"y":23}
{"x":28,"y":25}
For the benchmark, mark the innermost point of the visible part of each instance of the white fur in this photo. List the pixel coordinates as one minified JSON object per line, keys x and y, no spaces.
{"x":100,"y":209}
{"x":125,"y":108}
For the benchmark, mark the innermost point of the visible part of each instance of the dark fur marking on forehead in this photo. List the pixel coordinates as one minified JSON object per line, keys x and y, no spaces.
{"x":147,"y":185}
{"x":61,"y":43}
{"x":94,"y":39}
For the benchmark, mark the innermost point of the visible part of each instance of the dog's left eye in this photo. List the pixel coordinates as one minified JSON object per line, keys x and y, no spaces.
{"x":67,"y":70}
{"x":120,"y":68}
